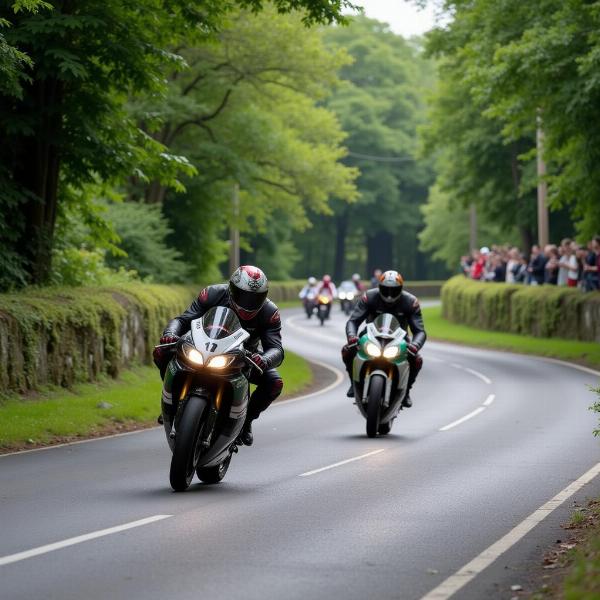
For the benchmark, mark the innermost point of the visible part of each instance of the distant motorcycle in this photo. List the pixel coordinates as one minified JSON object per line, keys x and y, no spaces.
{"x":310,"y":304}
{"x":205,"y":397}
{"x":323,"y":307}
{"x":380,"y":373}
{"x":347,"y":293}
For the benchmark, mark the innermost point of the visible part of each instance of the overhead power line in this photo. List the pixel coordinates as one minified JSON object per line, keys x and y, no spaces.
{"x":392,"y":159}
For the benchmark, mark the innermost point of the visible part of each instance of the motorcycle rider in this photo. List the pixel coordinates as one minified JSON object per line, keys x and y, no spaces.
{"x":388,"y":297}
{"x":327,"y":288}
{"x":308,"y":294}
{"x":246,"y":295}
{"x":357,"y":283}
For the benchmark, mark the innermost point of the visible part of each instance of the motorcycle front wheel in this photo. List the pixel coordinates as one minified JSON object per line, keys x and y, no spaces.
{"x":186,"y":450}
{"x":213,"y":474}
{"x":376,"y":390}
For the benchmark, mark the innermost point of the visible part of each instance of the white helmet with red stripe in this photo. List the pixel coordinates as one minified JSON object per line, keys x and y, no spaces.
{"x":248,"y":288}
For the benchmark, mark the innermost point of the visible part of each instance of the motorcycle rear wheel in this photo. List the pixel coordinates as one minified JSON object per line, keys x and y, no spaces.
{"x":376,"y":390}
{"x":186,"y":450}
{"x":213,"y":474}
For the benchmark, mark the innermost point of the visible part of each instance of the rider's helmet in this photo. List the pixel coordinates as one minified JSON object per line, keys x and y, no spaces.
{"x":248,"y":287}
{"x":390,"y":286}
{"x":312,"y":281}
{"x":356,"y":277}
{"x":326,"y":278}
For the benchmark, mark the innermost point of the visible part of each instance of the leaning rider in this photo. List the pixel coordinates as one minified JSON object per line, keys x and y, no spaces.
{"x":388,"y":297}
{"x":246,"y":294}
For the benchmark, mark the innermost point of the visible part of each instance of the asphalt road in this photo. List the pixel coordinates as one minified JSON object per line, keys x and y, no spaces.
{"x":396,"y":523}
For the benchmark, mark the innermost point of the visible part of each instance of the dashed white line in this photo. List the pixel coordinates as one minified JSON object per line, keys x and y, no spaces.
{"x":478,"y":374}
{"x":463,"y":419}
{"x":12,"y":558}
{"x":342,"y":462}
{"x":489,"y":400}
{"x":464,"y":575}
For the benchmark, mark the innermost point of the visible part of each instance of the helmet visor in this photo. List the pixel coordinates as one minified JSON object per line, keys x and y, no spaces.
{"x":390,"y":294}
{"x":250,"y":302}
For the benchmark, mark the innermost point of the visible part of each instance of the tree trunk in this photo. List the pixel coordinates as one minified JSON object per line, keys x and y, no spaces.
{"x":37,"y":164}
{"x":380,"y":253}
{"x":341,"y":229}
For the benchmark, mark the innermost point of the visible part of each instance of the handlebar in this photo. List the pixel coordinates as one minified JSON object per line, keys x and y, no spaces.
{"x":247,"y":356}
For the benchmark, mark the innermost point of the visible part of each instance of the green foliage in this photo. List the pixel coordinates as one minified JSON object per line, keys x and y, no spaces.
{"x":596,"y":408}
{"x":540,"y":311}
{"x":446,"y":231}
{"x":142,"y":232}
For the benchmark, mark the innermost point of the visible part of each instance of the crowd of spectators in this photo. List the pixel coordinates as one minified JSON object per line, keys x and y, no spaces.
{"x":569,"y":264}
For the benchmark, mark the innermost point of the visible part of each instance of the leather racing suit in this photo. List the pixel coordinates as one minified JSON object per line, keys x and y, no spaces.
{"x":408,"y":312}
{"x":265,"y":337}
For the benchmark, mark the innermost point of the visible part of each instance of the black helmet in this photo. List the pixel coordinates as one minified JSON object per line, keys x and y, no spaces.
{"x":390,"y":286}
{"x":248,"y":288}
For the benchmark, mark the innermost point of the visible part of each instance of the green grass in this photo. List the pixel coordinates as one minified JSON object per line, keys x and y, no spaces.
{"x":439,"y":328}
{"x":57,"y":413}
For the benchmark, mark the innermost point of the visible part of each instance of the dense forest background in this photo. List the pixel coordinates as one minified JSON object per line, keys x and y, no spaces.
{"x":136,"y":137}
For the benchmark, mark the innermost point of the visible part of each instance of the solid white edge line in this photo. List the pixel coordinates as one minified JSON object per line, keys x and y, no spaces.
{"x":12,"y":558}
{"x":463,"y":419}
{"x":479,"y":375}
{"x":468,"y":572}
{"x":489,"y":400}
{"x":342,"y":462}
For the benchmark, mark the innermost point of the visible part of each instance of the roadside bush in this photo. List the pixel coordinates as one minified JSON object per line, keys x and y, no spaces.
{"x":540,"y":311}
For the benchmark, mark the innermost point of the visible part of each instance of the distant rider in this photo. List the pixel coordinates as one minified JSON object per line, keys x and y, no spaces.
{"x":357,"y":283}
{"x":388,"y":297}
{"x":246,"y":294}
{"x":327,"y":288}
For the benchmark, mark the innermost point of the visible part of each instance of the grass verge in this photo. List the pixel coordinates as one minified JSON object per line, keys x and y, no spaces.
{"x":438,"y":328}
{"x":108,"y":406}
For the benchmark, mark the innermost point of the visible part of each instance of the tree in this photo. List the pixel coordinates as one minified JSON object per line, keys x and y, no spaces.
{"x":70,"y":68}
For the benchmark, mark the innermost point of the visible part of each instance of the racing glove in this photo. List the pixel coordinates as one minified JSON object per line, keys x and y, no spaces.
{"x":170,"y":338}
{"x":412,"y":349}
{"x":259,"y":361}
{"x":160,"y":354}
{"x":352,"y":340}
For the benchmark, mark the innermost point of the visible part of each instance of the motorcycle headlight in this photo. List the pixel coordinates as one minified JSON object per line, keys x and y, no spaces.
{"x":342,"y":296}
{"x":194,"y":356}
{"x":219,"y":362}
{"x":391,"y":352}
{"x":350,"y":296}
{"x":372,"y":350}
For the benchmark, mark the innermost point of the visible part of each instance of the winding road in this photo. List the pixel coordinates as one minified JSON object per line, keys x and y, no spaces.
{"x":456,"y":502}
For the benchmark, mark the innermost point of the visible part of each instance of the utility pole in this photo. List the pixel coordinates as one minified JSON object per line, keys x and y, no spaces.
{"x":542,"y":188}
{"x":472,"y":227}
{"x":234,"y":232}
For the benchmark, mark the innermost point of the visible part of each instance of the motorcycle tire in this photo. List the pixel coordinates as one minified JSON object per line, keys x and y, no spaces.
{"x":322,"y":317}
{"x":186,"y":449}
{"x":376,"y":390}
{"x":213,"y":474}
{"x":384,"y":428}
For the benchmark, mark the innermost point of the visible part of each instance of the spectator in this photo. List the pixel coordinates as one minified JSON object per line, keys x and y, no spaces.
{"x":520,"y":270}
{"x":535,"y":268}
{"x":479,"y":263}
{"x":564,"y":251}
{"x":551,"y":267}
{"x":591,"y":267}
{"x":512,"y":264}
{"x":375,"y":278}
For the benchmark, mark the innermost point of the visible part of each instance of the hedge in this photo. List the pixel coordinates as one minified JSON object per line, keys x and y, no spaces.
{"x":540,"y":311}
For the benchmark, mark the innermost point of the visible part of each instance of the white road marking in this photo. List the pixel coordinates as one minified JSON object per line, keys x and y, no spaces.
{"x":290,"y":321}
{"x":343,"y":462}
{"x":489,"y":400}
{"x":480,"y":375}
{"x":12,"y":558}
{"x":434,"y":359}
{"x":456,"y":365}
{"x":464,"y":575}
{"x":476,"y":412}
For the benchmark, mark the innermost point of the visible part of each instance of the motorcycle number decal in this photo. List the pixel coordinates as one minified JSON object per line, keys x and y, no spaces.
{"x":211,"y":347}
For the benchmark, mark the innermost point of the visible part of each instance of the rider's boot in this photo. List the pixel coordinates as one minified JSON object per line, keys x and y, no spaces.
{"x":407,"y":402}
{"x":350,"y":392}
{"x":246,"y":436}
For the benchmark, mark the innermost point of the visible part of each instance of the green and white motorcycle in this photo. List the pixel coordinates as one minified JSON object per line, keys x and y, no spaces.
{"x":380,"y":373}
{"x":205,"y":397}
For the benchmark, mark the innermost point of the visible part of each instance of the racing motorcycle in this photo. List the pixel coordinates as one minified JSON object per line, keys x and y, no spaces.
{"x":347,"y":294}
{"x":380,"y":373}
{"x":323,"y":307}
{"x":205,"y":397}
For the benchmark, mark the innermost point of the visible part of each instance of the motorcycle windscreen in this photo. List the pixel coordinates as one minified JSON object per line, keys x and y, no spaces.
{"x":220,"y":322}
{"x":386,"y":324}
